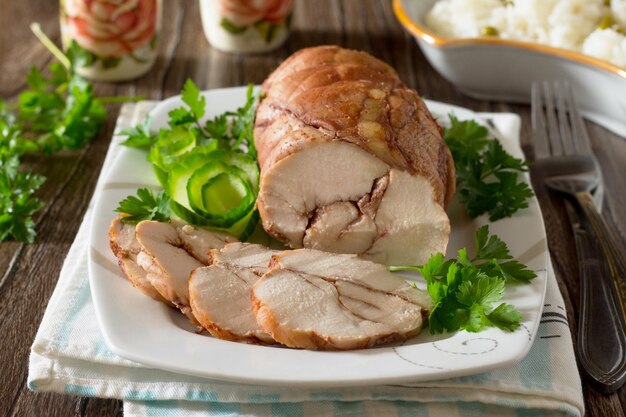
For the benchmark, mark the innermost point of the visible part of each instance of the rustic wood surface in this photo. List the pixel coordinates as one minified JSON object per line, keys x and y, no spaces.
{"x":28,"y":273}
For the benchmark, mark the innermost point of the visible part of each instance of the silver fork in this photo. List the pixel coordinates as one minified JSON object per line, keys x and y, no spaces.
{"x":563,"y":155}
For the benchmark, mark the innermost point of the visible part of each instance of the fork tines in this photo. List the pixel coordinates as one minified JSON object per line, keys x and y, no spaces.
{"x":560,"y":122}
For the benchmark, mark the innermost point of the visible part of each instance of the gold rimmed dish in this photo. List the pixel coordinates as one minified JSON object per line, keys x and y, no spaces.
{"x":502,"y":69}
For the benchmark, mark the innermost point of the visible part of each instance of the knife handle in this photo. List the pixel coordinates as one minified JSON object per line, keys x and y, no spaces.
{"x":611,"y":245}
{"x":601,"y":344}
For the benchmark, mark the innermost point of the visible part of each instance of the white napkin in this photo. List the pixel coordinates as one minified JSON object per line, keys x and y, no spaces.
{"x":69,"y":355}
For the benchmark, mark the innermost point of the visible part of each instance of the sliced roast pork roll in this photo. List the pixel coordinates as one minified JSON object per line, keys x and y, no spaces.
{"x":125,"y":247}
{"x":316,"y":300}
{"x":351,"y":159}
{"x":219,"y":294}
{"x":170,"y":252}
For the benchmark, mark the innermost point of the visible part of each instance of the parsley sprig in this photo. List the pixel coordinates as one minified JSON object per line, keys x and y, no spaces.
{"x":139,"y":136}
{"x":488,"y":179}
{"x":17,"y":186}
{"x":465,"y":290}
{"x":53,"y":113}
{"x":146,"y":206}
{"x":58,"y":111}
{"x":227,"y":131}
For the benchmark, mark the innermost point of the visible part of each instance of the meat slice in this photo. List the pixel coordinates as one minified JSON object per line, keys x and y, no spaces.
{"x":316,"y":300}
{"x":244,"y":255}
{"x":139,"y":278}
{"x":351,"y":159}
{"x":122,"y":239}
{"x":220,"y":294}
{"x":126,"y":247}
{"x":167,"y":257}
{"x":350,"y":268}
{"x":200,"y":242}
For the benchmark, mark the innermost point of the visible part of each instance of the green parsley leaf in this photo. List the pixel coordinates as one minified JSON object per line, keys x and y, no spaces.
{"x":191,"y":97}
{"x":514,"y":271}
{"x":139,"y":136}
{"x":483,"y":291}
{"x":58,"y":75}
{"x":79,"y":57}
{"x":494,"y":259}
{"x":17,"y":204}
{"x":61,"y":112}
{"x":235,"y":128}
{"x":465,"y":138}
{"x":146,"y":206}
{"x":495,"y":156}
{"x":464,"y":290}
{"x":476,"y":319}
{"x":82,"y":115}
{"x":218,"y":127}
{"x":36,"y":80}
{"x":181,"y":117}
{"x":488,"y":179}
{"x":6,"y":117}
{"x":488,"y":247}
{"x":435,"y":267}
{"x":13,"y":144}
{"x":505,"y":316}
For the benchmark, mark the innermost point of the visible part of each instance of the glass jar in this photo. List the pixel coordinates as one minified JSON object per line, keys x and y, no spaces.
{"x":246,"y":26}
{"x":116,"y":39}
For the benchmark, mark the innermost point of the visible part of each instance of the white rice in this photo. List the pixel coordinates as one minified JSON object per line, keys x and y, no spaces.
{"x":618,"y":7}
{"x":569,"y":24}
{"x":607,"y":44}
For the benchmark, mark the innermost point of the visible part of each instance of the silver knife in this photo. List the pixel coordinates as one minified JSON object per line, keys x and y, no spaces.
{"x":601,"y":342}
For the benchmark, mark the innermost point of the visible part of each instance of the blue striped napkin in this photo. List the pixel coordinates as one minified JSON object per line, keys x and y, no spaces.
{"x":69,"y":355}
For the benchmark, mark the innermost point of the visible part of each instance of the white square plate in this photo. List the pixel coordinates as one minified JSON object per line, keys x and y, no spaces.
{"x":143,"y":330}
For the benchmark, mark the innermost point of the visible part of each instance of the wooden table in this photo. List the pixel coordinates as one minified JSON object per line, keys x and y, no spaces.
{"x":28,"y":273}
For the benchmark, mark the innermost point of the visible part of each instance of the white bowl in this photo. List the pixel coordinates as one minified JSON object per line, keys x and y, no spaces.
{"x":501,"y":69}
